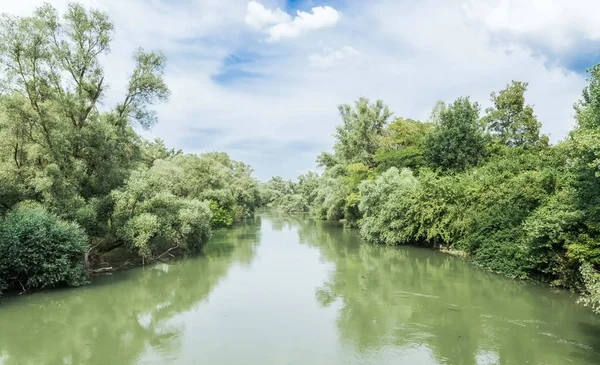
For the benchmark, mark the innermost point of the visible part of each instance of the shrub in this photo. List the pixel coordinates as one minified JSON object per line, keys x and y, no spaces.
{"x":386,"y":207}
{"x":591,"y":295}
{"x":220,"y":216}
{"x":39,"y":250}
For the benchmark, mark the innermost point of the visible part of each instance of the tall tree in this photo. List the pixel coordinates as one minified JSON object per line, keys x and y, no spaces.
{"x":457,"y":141}
{"x":55,"y":137}
{"x":436,"y":112}
{"x":510,"y":120}
{"x":584,"y":164}
{"x":361,"y":130}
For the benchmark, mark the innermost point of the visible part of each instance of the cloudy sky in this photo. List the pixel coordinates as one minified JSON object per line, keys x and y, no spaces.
{"x":262,"y":79}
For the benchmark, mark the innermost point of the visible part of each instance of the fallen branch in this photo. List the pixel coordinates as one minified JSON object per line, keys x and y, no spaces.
{"x":93,"y":247}
{"x":24,"y":290}
{"x":167,"y":252}
{"x":102,"y":269}
{"x":124,"y":264}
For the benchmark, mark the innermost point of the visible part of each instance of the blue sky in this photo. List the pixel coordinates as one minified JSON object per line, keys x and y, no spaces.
{"x":262,"y":79}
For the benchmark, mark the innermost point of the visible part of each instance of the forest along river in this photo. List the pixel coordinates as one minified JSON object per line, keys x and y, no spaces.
{"x":290,"y":290}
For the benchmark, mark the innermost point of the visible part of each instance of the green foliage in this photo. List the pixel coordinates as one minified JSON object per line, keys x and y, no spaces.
{"x":588,"y":108}
{"x":331,"y":198}
{"x":491,"y":187}
{"x":583,"y":149}
{"x":174,"y":203}
{"x":291,"y":197}
{"x":362,"y":127}
{"x":510,"y":120}
{"x":57,"y":147}
{"x":403,"y":145}
{"x":39,"y":250}
{"x":65,"y":148}
{"x":220,"y":216}
{"x":591,"y":295}
{"x":386,"y":204}
{"x":458,"y":141}
{"x":276,"y":188}
{"x":150,"y":216}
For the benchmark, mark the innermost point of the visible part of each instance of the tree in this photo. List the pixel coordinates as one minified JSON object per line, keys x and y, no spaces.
{"x":402,"y":144}
{"x":584,"y":167}
{"x":357,"y":139}
{"x":457,"y":141}
{"x":436,"y":112}
{"x":58,"y":146}
{"x":511,"y":121}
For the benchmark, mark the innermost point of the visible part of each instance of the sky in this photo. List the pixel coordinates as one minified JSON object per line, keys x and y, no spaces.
{"x":262,"y":79}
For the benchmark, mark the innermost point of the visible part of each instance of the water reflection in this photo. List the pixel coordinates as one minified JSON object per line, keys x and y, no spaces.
{"x":410,"y":298}
{"x":119,"y":317}
{"x":310,"y":293}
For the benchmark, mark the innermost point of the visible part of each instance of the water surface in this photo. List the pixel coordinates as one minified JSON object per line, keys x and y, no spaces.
{"x":289,"y":290}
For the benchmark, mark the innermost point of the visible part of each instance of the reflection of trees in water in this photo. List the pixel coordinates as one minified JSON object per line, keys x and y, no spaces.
{"x":409,"y":297}
{"x":116,"y":320}
{"x":286,"y":221}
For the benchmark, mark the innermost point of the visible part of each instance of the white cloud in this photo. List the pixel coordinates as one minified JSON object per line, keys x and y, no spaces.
{"x":321,"y":17}
{"x":330,"y":58}
{"x":558,"y":24}
{"x":279,"y":24}
{"x":258,"y":17}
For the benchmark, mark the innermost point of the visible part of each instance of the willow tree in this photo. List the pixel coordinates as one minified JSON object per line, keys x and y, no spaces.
{"x":357,"y":138}
{"x":59,"y":144}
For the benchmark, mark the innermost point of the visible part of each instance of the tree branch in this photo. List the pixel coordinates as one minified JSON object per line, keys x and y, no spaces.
{"x":166,"y":252}
{"x":94,"y":101}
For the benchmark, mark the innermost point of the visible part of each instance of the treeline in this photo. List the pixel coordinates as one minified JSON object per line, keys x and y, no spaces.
{"x":486,"y":184}
{"x":76,"y":181}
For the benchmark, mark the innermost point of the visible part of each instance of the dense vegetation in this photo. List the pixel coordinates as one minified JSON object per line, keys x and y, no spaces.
{"x":485,"y":184}
{"x":76,"y":180}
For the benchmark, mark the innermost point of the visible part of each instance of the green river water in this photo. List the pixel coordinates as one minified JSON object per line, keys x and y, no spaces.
{"x":290,"y":290}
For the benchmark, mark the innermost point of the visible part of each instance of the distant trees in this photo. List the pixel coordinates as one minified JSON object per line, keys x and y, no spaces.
{"x":490,"y":186}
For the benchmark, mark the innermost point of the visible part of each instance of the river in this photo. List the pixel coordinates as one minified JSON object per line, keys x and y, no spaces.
{"x":289,"y":290}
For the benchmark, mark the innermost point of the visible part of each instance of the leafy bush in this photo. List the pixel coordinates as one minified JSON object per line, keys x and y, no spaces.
{"x":386,"y":204}
{"x":220,"y":216}
{"x":330,"y":199}
{"x":591,"y":295}
{"x":150,"y":218}
{"x":38,"y":250}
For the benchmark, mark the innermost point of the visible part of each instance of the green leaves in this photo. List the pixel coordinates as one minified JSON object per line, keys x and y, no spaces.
{"x":220,"y":216}
{"x":402,"y":145}
{"x":39,"y":250}
{"x":362,"y":127}
{"x":146,"y":87}
{"x":588,"y":108}
{"x":84,"y":165}
{"x":150,"y":219}
{"x":457,"y":142}
{"x":386,"y":204}
{"x":510,"y":120}
{"x":591,"y":295}
{"x":175,"y":202}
